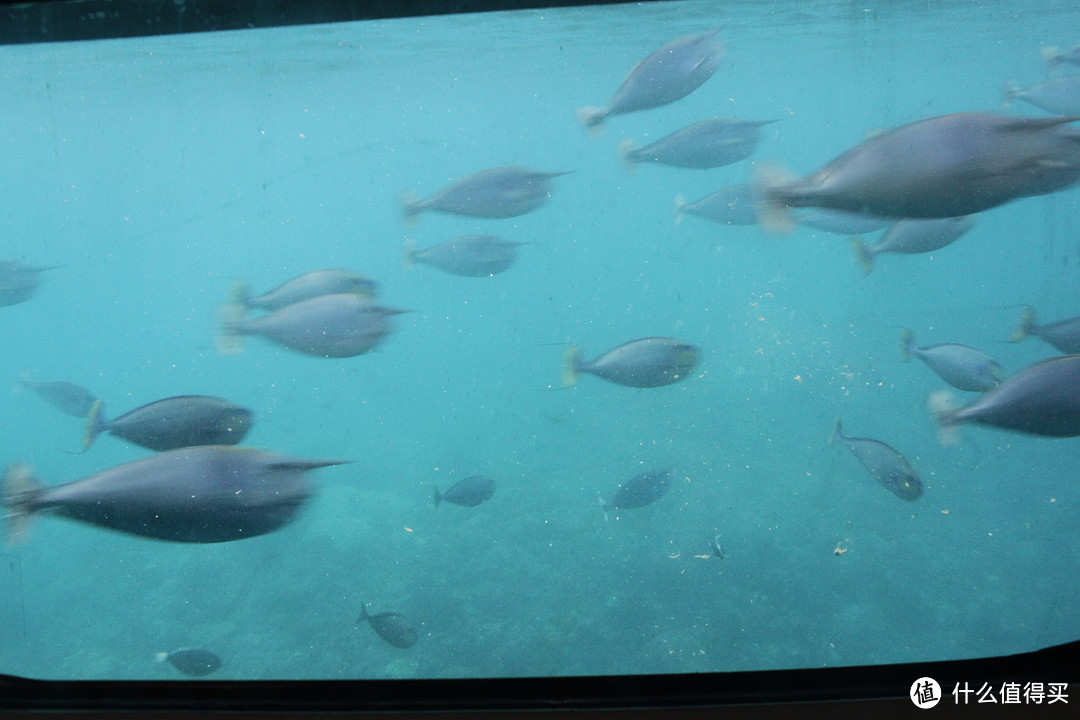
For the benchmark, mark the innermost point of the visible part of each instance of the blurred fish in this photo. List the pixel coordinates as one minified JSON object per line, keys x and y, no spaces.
{"x":639,"y":491}
{"x":68,"y":398}
{"x":1064,"y":334}
{"x":883,"y":463}
{"x":192,"y":662}
{"x":194,"y":495}
{"x":963,"y":367}
{"x":668,"y":74}
{"x":19,"y":282}
{"x":838,"y":222}
{"x":1059,"y":95}
{"x":706,"y":144}
{"x":941,"y":167}
{"x":342,"y":325}
{"x":1052,"y":56}
{"x":912,"y":237}
{"x":312,"y":284}
{"x":716,"y":545}
{"x":646,"y":363}
{"x":469,"y":492}
{"x":733,"y":205}
{"x":468,"y":255}
{"x":392,"y":627}
{"x":175,"y":422}
{"x":503,"y":192}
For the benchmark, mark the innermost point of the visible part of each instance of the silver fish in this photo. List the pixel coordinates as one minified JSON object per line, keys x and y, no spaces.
{"x":19,"y":282}
{"x":1059,"y":95}
{"x":646,"y":363}
{"x":733,"y":205}
{"x":331,"y":281}
{"x":912,"y":236}
{"x":1063,"y":334}
{"x":503,"y":192}
{"x":703,"y":145}
{"x":884,"y":464}
{"x":468,"y":255}
{"x":963,"y":367}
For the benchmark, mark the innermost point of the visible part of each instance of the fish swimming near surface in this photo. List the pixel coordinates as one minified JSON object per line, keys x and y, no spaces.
{"x":703,"y":145}
{"x":192,"y":662}
{"x":468,"y":255}
{"x":1059,"y":95}
{"x":645,"y":363}
{"x":884,"y":464}
{"x":394,"y":628}
{"x":1063,"y":334}
{"x":641,"y":490}
{"x":341,"y":325}
{"x":498,"y":193}
{"x":666,"y":75}
{"x":732,"y":205}
{"x":206,"y":494}
{"x":470,"y":492}
{"x":316,"y":283}
{"x":19,"y":282}
{"x":944,"y":166}
{"x":911,"y":237}
{"x":963,"y":367}
{"x":1043,"y":399}
{"x":67,"y":397}
{"x":175,"y":422}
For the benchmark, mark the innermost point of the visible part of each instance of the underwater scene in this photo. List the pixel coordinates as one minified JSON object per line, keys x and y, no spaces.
{"x":660,"y":338}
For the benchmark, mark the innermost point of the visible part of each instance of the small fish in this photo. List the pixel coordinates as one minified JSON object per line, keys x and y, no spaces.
{"x":68,"y":398}
{"x":645,"y":363}
{"x":468,"y":255}
{"x":884,"y":464}
{"x":703,"y":145}
{"x":1063,"y":334}
{"x":716,"y":545}
{"x":1053,"y":56}
{"x":639,"y":491}
{"x":503,"y":192}
{"x":963,"y":367}
{"x":19,"y":282}
{"x":913,"y":236}
{"x":392,"y":627}
{"x":1043,"y":399}
{"x":192,"y":662}
{"x":469,"y":492}
{"x":666,"y":75}
{"x":176,"y":422}
{"x":733,"y":205}
{"x":1059,"y":95}
{"x":838,"y":222}
{"x":312,"y":284}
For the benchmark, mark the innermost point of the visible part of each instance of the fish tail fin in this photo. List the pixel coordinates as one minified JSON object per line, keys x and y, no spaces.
{"x":943,"y":407}
{"x":1026,"y":326}
{"x":230,"y":314}
{"x":571,"y":364}
{"x":837,"y":431}
{"x":21,"y":486}
{"x":408,"y":255}
{"x":410,"y":207}
{"x":593,"y":119}
{"x":363,"y":614}
{"x":240,"y":294}
{"x":907,"y":341}
{"x":95,"y":423}
{"x":1051,"y":56}
{"x":161,"y":656}
{"x":626,"y":155}
{"x":863,"y":256}
{"x":773,"y":214}
{"x":603,"y":505}
{"x":1009,"y":92}
{"x":680,"y":208}
{"x":438,"y":498}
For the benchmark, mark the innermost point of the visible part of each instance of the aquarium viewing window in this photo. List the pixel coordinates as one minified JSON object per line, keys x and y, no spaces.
{"x":667,"y":339}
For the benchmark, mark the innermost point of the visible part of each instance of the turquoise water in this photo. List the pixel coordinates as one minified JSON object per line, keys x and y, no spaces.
{"x":159,"y":170}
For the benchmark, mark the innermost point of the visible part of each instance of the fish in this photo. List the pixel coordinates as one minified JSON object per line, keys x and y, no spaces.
{"x":392,"y":627}
{"x":732,"y":205}
{"x":963,"y":367}
{"x":207,"y":494}
{"x":884,"y":464}
{"x":913,"y":236}
{"x":192,"y":662}
{"x":703,"y":145}
{"x":1063,"y":334}
{"x":68,"y":398}
{"x":1059,"y":95}
{"x":175,"y":422}
{"x":499,"y":193}
{"x":341,"y":325}
{"x":468,"y":255}
{"x":316,"y":283}
{"x":664,"y":76}
{"x":645,"y":363}
{"x":1053,"y":56}
{"x":19,"y":282}
{"x":469,"y":492}
{"x":943,"y":166}
{"x":1042,"y":399}
{"x":716,"y":545}
{"x":641,"y":490}
{"x":838,"y":222}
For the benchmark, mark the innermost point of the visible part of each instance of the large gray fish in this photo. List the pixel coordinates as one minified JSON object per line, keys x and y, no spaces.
{"x":733,"y":205}
{"x":175,"y":422}
{"x":1063,"y":334}
{"x":941,"y":167}
{"x":645,"y":363}
{"x":68,"y":398}
{"x":392,"y":627}
{"x":1043,"y":399}
{"x":468,"y":255}
{"x":194,"y":495}
{"x":469,"y":492}
{"x":668,"y":74}
{"x":963,"y":367}
{"x":884,"y":464}
{"x":1059,"y":95}
{"x":19,"y":282}
{"x":193,"y":662}
{"x":911,"y":237}
{"x":503,"y":192}
{"x":316,"y":283}
{"x":639,"y":491}
{"x":342,"y":325}
{"x":706,"y":144}
{"x":838,"y":222}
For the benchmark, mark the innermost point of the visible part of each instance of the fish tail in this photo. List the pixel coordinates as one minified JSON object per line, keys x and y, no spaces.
{"x":1026,"y":326}
{"x":626,"y":155}
{"x":230,"y":315}
{"x":21,"y":486}
{"x":837,"y":431}
{"x":1051,"y":56}
{"x":161,"y":656}
{"x":363,"y":614}
{"x":571,"y":365}
{"x":863,"y":256}
{"x":942,"y":407}
{"x":1010,"y":90}
{"x":603,"y":505}
{"x":593,"y":119}
{"x":907,"y":341}
{"x":408,"y":255}
{"x":773,"y":214}
{"x":438,"y":498}
{"x":410,"y":207}
{"x":680,"y":208}
{"x":95,"y":423}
